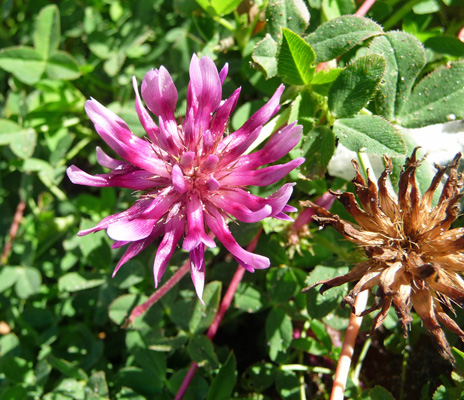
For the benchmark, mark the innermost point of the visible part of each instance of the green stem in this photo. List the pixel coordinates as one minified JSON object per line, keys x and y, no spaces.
{"x":365,"y":164}
{"x":397,"y":16}
{"x":75,"y":150}
{"x":300,"y":367}
{"x":362,"y":355}
{"x":226,"y":24}
{"x":404,"y":368}
{"x":301,"y":381}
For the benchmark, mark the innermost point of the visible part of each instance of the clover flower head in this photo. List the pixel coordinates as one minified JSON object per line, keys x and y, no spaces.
{"x":414,"y":258}
{"x":191,"y":174}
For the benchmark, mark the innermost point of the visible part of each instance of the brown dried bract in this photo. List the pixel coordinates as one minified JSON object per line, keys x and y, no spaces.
{"x":413,"y":257}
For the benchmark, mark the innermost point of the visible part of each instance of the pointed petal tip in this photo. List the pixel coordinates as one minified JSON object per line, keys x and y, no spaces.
{"x":197,"y":270}
{"x":115,"y":271}
{"x":90,"y":105}
{"x":301,"y":160}
{"x":70,"y":172}
{"x":193,"y":239}
{"x":284,"y":217}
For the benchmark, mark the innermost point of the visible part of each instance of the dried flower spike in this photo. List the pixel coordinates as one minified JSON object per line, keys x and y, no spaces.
{"x":191,"y":175}
{"x":413,"y":257}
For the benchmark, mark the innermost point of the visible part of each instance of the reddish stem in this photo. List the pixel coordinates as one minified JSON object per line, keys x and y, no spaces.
{"x":362,"y":11}
{"x":344,"y":362}
{"x":226,"y":301}
{"x":186,"y":382}
{"x":143,"y":308}
{"x":18,"y":216}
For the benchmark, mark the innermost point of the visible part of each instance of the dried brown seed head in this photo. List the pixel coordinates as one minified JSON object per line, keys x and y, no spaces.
{"x":414,"y":257}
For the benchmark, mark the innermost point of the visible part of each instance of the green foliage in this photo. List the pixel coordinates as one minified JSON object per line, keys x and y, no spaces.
{"x":377,"y":393}
{"x":278,"y":332}
{"x":356,"y":85}
{"x":29,"y":64}
{"x":218,"y":7}
{"x":295,"y":59}
{"x":350,"y":81}
{"x":223,"y":384}
{"x":292,"y":15}
{"x":370,"y":133}
{"x":437,"y":98}
{"x":405,"y":57}
{"x":321,"y":306}
{"x":336,"y":37}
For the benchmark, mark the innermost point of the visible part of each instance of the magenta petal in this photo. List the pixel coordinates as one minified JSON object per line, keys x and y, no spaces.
{"x":211,"y":92}
{"x":131,"y":213}
{"x":208,"y":142}
{"x":197,"y":269}
{"x":141,"y":225}
{"x":219,"y":227}
{"x":289,"y":208}
{"x":159,"y":93}
{"x":212,"y":184}
{"x":223,"y":73}
{"x":187,"y":159}
{"x":145,"y":120}
{"x":120,"y":243}
{"x":178,"y":180}
{"x":284,"y":217}
{"x":305,"y":217}
{"x":326,"y":200}
{"x":164,"y":201}
{"x":275,"y":148}
{"x":168,"y":138}
{"x":137,"y":180}
{"x":221,"y":118}
{"x":106,"y":161}
{"x":175,"y":226}
{"x":196,"y":231}
{"x":259,"y":118}
{"x":195,"y":84}
{"x":210,"y":163}
{"x":277,"y":201}
{"x":240,"y":211}
{"x":261,"y":177}
{"x":191,"y":135}
{"x":205,"y":90}
{"x":234,"y":147}
{"x":117,"y":134}
{"x":136,"y":229}
{"x":137,"y":247}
